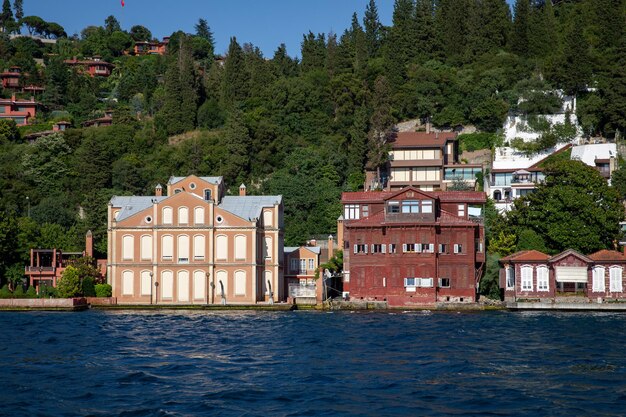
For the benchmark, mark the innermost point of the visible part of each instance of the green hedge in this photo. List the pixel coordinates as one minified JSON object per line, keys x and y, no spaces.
{"x":103,"y":290}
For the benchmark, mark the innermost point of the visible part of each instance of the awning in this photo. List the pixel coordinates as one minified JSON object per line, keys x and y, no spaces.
{"x":571,"y":274}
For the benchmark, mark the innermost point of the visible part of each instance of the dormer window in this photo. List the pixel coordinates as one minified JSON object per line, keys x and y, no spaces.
{"x":393,"y":207}
{"x":427,"y":206}
{"x":351,"y":212}
{"x":365,"y":210}
{"x":410,"y":206}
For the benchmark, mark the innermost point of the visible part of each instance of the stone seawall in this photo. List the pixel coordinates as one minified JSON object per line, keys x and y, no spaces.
{"x":43,"y":304}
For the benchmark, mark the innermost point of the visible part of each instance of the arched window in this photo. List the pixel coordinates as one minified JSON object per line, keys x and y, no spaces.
{"x":199,"y":285}
{"x":168,"y":215}
{"x":183,"y":215}
{"x":198,"y":215}
{"x":128,"y":247}
{"x":167,"y":285}
{"x":183,"y":286}
{"x":146,"y":283}
{"x":128,"y":283}
{"x":198,"y":247}
{"x":268,"y":218}
{"x":240,"y":283}
{"x":183,"y":249}
{"x":497,"y":195}
{"x":542,"y":278}
{"x":167,"y":247}
{"x":615,"y":278}
{"x":146,"y":247}
{"x":240,"y":247}
{"x":221,"y":247}
{"x":267,"y":248}
{"x":527,"y":278}
{"x":598,"y":279}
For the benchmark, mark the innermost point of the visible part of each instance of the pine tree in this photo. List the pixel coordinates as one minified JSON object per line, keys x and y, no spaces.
{"x":373,"y":27}
{"x":357,"y":149}
{"x":543,"y":38}
{"x":521,"y":28}
{"x":574,"y":65}
{"x":400,"y":45}
{"x":425,"y":29}
{"x":111,"y":24}
{"x":284,"y":65}
{"x":457,"y":24}
{"x":235,"y":83}
{"x":19,"y":9}
{"x":204,"y":31}
{"x":494,"y":25}
{"x":313,"y":52}
{"x":236,"y":139}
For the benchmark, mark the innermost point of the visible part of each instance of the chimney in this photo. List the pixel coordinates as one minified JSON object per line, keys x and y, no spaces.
{"x":158,"y":190}
{"x":89,"y":244}
{"x":428,"y":126}
{"x":331,"y":246}
{"x":312,"y":242}
{"x":242,"y":190}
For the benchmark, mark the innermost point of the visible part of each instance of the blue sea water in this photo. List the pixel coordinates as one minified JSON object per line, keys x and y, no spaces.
{"x":100,"y":363}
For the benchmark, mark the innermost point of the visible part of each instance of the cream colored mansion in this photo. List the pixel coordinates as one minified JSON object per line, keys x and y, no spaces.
{"x":195,"y":245}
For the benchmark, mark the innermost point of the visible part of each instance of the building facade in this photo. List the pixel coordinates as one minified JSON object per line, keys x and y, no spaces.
{"x":95,"y":66}
{"x":568,"y":276}
{"x":412,"y":247}
{"x":196,"y":245}
{"x":20,"y":110}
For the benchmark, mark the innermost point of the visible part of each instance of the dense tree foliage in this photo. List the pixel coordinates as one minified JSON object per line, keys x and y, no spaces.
{"x":303,"y":127}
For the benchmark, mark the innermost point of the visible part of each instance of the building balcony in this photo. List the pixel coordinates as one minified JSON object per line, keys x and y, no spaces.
{"x":40,"y":270}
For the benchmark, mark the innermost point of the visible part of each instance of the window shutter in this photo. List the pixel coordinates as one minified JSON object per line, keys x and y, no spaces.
{"x":365,"y":248}
{"x":404,"y":248}
{"x":372,"y":248}
{"x":418,"y":247}
{"x":383,"y":248}
{"x":355,"y":248}
{"x":431,"y":247}
{"x":456,"y":248}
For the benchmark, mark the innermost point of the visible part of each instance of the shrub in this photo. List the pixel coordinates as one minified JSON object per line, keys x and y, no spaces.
{"x":89,"y":290}
{"x":31,"y":292}
{"x":19,"y":292}
{"x":69,"y":284}
{"x":48,"y":292}
{"x":5,"y":293}
{"x":104,"y":290}
{"x":474,"y":141}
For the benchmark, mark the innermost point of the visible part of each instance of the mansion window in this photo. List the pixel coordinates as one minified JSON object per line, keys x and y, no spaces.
{"x":378,"y":248}
{"x":615,"y":279}
{"x":311,"y":266}
{"x":458,"y":248}
{"x":510,"y":277}
{"x":409,"y":247}
{"x":293,"y":264}
{"x":392,"y":248}
{"x":542,"y":278}
{"x":360,"y":248}
{"x":365,"y":211}
{"x":444,"y":282}
{"x":598,"y":279}
{"x":393,"y":207}
{"x":443,"y":248}
{"x":410,"y":206}
{"x":351,"y":212}
{"x":412,"y":283}
{"x":302,"y":269}
{"x":527,"y":278}
{"x":461,"y":210}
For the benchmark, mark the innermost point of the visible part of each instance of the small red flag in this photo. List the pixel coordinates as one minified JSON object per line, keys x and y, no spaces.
{"x":122,"y":3}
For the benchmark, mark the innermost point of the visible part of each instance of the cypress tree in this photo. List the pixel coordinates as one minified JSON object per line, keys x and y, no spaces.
{"x":313,"y":52}
{"x":456,"y":26}
{"x":372,"y":26}
{"x":6,"y":17}
{"x":284,"y":65}
{"x":357,"y":149}
{"x":235,"y":83}
{"x":521,"y":25}
{"x":19,"y":9}
{"x":381,"y":124}
{"x":543,"y":37}
{"x":574,"y":66}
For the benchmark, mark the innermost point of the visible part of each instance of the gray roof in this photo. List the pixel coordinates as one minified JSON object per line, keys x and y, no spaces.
{"x":133,"y":204}
{"x":314,"y":249}
{"x":212,"y":180}
{"x":249,"y":207}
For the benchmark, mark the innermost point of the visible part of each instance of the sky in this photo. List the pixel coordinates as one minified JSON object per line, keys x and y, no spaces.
{"x":264,"y":23}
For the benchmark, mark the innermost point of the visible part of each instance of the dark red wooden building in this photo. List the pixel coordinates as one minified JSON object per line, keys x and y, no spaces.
{"x":413,"y":247}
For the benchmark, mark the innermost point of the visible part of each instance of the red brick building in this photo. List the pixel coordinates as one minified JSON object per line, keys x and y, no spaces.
{"x":533,"y":275}
{"x":412,"y":247}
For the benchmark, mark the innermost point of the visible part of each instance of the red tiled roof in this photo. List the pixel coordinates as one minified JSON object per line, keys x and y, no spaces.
{"x":350,"y":196}
{"x":378,"y":219}
{"x":526,"y":255}
{"x":449,"y":218}
{"x":421,"y":139}
{"x":608,"y":255}
{"x":460,"y":196}
{"x":373,"y":220}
